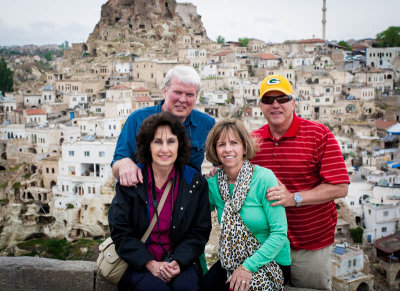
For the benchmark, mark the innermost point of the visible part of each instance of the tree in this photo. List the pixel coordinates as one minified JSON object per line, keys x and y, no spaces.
{"x":357,"y":234}
{"x":48,"y":56}
{"x":220,"y":39}
{"x":346,"y":45}
{"x":243,"y":42}
{"x":6,"y":77}
{"x":389,"y":37}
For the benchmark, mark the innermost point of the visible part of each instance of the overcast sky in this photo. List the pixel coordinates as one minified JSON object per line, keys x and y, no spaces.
{"x":54,"y":21}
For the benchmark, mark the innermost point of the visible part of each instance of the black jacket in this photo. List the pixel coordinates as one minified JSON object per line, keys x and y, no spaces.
{"x":190,"y":227}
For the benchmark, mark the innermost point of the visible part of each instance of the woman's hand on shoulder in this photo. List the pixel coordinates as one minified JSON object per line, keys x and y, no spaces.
{"x":240,"y":279}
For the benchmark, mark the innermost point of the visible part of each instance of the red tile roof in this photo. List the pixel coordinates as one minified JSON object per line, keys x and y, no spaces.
{"x":141,"y":89}
{"x":142,"y":98}
{"x":267,"y":57}
{"x":312,"y":40}
{"x":221,"y":54}
{"x":384,"y":124}
{"x":120,"y":87}
{"x":35,"y":111}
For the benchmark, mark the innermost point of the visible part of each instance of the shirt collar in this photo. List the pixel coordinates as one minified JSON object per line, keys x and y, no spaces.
{"x":150,"y":181}
{"x":291,"y":132}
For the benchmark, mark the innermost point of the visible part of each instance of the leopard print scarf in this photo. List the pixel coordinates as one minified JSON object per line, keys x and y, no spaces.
{"x":236,"y":242}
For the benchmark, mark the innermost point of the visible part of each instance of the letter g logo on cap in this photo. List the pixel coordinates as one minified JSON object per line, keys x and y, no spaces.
{"x":273,"y":81}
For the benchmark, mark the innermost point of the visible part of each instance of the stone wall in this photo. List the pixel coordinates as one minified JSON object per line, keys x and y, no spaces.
{"x":38,"y":274}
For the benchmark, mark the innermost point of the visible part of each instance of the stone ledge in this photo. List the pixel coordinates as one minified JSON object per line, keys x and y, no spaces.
{"x":39,"y":274}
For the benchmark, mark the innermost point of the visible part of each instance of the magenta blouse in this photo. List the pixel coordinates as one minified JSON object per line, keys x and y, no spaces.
{"x":165,"y":217}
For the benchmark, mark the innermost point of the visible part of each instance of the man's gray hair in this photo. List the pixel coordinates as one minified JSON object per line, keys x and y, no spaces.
{"x":184,"y":74}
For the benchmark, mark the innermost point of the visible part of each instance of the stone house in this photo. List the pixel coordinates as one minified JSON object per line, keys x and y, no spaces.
{"x":266,"y":61}
{"x":223,"y":57}
{"x":7,"y":104}
{"x":217,"y":97}
{"x":50,"y":138}
{"x":35,"y":116}
{"x":208,"y":71}
{"x":12,"y":131}
{"x":347,"y":269}
{"x":195,"y":57}
{"x":382,"y":57}
{"x":50,"y":171}
{"x":113,"y":126}
{"x":32,"y":100}
{"x":90,"y":126}
{"x":119,"y":93}
{"x":117,"y":109}
{"x":97,"y":107}
{"x":255,"y":45}
{"x":381,"y":213}
{"x":387,"y":250}
{"x":69,"y":86}
{"x":141,"y":101}
{"x":141,"y":91}
{"x":75,"y":100}
{"x":152,"y":72}
{"x":357,"y":193}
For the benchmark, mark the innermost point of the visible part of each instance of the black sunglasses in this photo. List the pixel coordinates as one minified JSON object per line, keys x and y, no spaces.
{"x":281,"y":99}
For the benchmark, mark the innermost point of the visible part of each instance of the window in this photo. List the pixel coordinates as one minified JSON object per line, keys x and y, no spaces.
{"x":63,"y":188}
{"x":354,"y":262}
{"x":89,"y":190}
{"x":71,"y":153}
{"x":94,"y":190}
{"x":101,"y":154}
{"x":369,"y":211}
{"x":385,"y":213}
{"x":349,"y":263}
{"x":351,"y":202}
{"x":384,"y":229}
{"x":86,"y":154}
{"x":47,"y":170}
{"x":52,"y":170}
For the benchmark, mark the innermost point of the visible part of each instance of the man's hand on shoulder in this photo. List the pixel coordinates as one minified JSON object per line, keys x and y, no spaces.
{"x":129,"y":173}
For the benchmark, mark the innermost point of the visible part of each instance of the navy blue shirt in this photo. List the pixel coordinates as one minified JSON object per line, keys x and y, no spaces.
{"x":197,"y":124}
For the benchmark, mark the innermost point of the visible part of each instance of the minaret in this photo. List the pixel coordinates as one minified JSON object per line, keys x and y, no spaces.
{"x":323,"y":18}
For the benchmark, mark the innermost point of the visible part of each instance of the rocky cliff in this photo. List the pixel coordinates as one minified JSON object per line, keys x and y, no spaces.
{"x":149,"y":22}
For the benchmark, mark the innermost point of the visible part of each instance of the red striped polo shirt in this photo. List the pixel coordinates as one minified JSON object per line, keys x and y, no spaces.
{"x":304,"y":157}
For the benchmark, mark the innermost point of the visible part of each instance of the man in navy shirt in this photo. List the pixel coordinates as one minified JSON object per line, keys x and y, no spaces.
{"x":181,"y":87}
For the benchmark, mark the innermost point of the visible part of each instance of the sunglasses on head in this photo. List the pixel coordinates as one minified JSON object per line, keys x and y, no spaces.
{"x":281,"y":99}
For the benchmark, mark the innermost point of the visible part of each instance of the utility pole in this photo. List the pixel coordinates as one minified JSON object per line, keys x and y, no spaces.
{"x":323,"y":18}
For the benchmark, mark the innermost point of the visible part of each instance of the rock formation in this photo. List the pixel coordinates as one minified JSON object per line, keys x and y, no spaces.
{"x":147,"y":22}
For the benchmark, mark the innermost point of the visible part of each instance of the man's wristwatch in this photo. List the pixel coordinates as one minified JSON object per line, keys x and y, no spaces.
{"x":298,"y":198}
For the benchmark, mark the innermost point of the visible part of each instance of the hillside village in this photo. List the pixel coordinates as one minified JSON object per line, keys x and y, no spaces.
{"x":60,"y":125}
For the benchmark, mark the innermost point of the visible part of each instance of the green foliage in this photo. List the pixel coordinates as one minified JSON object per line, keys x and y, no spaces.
{"x":6,"y":77}
{"x":220,"y":39}
{"x":61,"y":249}
{"x":70,"y":206}
{"x":243,"y":42}
{"x":389,"y":37}
{"x":346,"y":45}
{"x":309,"y":81}
{"x":48,"y":56}
{"x":4,"y":185}
{"x":27,"y":176}
{"x":64,"y":45}
{"x":16,"y":185}
{"x":357,"y":234}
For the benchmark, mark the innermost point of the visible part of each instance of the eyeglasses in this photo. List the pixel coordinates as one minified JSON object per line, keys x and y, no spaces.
{"x":281,"y":99}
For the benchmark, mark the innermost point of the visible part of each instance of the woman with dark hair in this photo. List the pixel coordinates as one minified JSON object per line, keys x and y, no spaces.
{"x":254,"y":251}
{"x":169,"y":259}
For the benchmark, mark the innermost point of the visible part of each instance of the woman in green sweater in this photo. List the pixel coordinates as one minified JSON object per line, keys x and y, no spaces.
{"x":254,"y":251}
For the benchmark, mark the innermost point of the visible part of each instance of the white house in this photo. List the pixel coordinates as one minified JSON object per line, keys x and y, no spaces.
{"x":9,"y":103}
{"x":113,"y":126}
{"x":83,"y":169}
{"x":78,"y":100}
{"x":32,"y":100}
{"x":215,"y":97}
{"x":12,"y":131}
{"x":35,"y":116}
{"x":208,"y":71}
{"x":48,"y":94}
{"x":382,"y":57}
{"x":381,"y":213}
